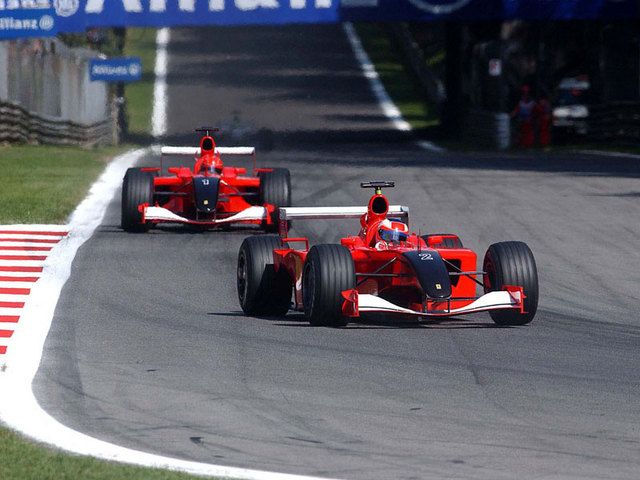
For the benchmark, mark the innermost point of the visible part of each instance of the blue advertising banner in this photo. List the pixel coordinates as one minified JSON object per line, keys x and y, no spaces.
{"x":477,"y":10}
{"x":119,"y":69}
{"x":27,"y":22}
{"x":77,"y":15}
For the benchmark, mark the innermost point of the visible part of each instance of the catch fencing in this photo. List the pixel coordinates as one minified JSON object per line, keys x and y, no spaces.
{"x":46,"y":95}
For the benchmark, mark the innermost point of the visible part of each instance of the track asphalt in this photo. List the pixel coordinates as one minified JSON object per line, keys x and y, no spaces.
{"x":149,"y":348}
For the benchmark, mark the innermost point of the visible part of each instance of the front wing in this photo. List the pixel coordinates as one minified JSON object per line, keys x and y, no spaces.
{"x":510,"y":298}
{"x":153,"y":214}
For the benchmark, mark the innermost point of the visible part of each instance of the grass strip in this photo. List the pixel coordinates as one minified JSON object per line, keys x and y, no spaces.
{"x":21,"y":460}
{"x":44,"y":184}
{"x":400,"y":84}
{"x":141,"y":42}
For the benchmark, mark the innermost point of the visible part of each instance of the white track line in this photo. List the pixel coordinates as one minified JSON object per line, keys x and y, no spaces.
{"x":18,"y":406}
{"x":605,"y":153}
{"x":159,"y":115}
{"x":389,"y":108}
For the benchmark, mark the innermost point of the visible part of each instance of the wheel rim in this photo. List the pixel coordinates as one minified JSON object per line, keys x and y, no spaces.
{"x":242,"y":277}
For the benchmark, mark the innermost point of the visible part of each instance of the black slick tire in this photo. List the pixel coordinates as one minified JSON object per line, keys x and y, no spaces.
{"x":512,"y":263}
{"x":275,"y":187}
{"x":328,"y":271}
{"x":262,"y":291}
{"x":137,"y":188}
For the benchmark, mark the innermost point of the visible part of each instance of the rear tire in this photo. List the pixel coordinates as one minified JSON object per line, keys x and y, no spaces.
{"x":137,"y":188}
{"x":328,"y":271}
{"x":512,"y":263}
{"x":261,"y":290}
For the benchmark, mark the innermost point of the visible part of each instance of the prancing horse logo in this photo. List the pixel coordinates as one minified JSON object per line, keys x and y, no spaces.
{"x":66,"y":8}
{"x":441,"y":7}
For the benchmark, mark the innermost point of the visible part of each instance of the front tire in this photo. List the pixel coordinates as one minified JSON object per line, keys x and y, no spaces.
{"x":262,"y":290}
{"x":512,"y":263}
{"x":137,"y":188}
{"x":328,"y":271}
{"x":275,"y":189}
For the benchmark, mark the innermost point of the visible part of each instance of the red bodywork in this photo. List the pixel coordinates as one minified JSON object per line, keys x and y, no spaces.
{"x":237,"y":190}
{"x":382,"y":271}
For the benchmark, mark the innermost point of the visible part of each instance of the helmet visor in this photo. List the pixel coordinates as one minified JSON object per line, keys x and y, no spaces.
{"x":392,"y":235}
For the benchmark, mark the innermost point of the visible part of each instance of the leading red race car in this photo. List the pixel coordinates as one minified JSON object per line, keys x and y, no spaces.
{"x":209,"y":194}
{"x":383,"y":268}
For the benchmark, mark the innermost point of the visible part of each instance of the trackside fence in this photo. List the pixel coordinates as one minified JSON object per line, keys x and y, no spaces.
{"x":615,"y":121}
{"x":46,"y":95}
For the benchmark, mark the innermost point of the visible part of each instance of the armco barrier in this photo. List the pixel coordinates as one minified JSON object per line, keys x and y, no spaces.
{"x":20,"y":125}
{"x":46,"y":95}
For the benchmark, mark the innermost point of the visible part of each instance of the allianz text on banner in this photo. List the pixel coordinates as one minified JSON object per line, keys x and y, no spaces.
{"x":26,"y":22}
{"x":77,"y":15}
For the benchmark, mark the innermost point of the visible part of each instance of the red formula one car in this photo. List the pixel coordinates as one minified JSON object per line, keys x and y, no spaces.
{"x":383,"y":268}
{"x":208,"y":194}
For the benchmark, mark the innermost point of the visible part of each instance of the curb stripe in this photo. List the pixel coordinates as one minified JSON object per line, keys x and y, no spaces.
{"x":15,"y":291}
{"x":12,"y":304}
{"x":4,"y":268}
{"x":27,"y":237}
{"x":29,"y":255}
{"x":39,"y":258}
{"x":18,"y":279}
{"x":3,"y":349}
{"x":25,"y":248}
{"x":6,"y":333}
{"x":29,"y":240}
{"x":9,"y":318}
{"x":26,"y":232}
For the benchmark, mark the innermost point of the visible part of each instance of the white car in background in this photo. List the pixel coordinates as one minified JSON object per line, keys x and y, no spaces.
{"x":570,"y":111}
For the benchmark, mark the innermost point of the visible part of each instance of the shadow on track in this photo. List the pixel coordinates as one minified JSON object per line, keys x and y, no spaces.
{"x":369,"y":322}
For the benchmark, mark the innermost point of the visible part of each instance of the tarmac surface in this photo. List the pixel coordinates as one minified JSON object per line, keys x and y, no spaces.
{"x":149,"y":348}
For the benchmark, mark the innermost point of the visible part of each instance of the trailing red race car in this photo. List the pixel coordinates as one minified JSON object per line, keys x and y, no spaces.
{"x":209,"y":194}
{"x":383,"y":268}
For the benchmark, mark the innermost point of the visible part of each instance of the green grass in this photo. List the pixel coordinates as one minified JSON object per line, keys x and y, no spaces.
{"x":399,"y":83}
{"x":43,"y":184}
{"x":21,"y":460}
{"x":141,"y":42}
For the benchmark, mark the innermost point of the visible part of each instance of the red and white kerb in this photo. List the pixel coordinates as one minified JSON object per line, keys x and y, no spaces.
{"x":23,"y":252}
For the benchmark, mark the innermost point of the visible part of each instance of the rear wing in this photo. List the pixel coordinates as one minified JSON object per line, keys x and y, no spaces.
{"x":193,"y":151}
{"x":329,"y":213}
